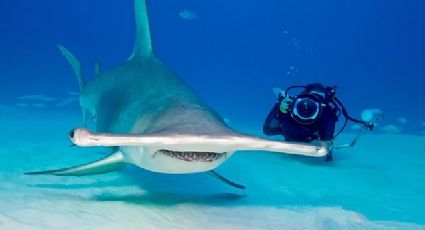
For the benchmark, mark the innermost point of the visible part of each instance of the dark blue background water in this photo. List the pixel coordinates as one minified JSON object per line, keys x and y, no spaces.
{"x":234,"y":53}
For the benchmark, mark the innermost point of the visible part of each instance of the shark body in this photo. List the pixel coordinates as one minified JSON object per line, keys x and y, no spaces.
{"x":155,"y":120}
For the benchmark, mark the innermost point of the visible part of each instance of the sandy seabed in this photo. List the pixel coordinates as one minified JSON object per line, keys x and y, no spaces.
{"x":380,"y":184}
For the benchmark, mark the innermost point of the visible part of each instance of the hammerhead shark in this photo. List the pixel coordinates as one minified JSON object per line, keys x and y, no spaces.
{"x":154,"y":120}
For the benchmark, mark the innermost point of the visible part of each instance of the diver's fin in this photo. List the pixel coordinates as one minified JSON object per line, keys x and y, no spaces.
{"x":225,"y":180}
{"x":75,"y":64}
{"x":143,"y":44}
{"x":97,"y":67}
{"x":107,"y":164}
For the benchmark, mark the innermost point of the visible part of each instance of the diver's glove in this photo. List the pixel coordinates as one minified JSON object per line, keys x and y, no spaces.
{"x":285,"y":103}
{"x":283,"y":99}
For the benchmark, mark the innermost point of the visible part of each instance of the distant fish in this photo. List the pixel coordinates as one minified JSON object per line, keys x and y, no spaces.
{"x":22,"y":105}
{"x":227,"y":120}
{"x":68,"y":101}
{"x":38,"y":97}
{"x":402,"y":120}
{"x":391,"y":129}
{"x":423,"y":123}
{"x":188,"y":15}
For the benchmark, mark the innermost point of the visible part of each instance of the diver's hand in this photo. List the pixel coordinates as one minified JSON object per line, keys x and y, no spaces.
{"x":284,"y":104}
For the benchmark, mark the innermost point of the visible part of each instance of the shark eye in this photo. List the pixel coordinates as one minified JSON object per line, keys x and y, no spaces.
{"x":71,"y":134}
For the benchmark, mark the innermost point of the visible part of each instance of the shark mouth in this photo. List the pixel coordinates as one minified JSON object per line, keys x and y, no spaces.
{"x":192,"y":156}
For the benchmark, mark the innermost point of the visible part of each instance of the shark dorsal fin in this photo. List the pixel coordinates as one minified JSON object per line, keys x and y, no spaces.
{"x":143,"y":44}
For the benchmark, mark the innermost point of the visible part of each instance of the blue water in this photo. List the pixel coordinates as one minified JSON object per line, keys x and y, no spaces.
{"x":233,"y":54}
{"x":372,"y":50}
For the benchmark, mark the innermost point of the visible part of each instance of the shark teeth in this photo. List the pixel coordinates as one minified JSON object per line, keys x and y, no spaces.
{"x":192,"y":156}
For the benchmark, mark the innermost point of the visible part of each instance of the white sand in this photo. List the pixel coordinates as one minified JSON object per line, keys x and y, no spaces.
{"x":377,"y":185}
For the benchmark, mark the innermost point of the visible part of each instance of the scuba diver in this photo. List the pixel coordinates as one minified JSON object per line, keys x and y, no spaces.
{"x":309,"y":116}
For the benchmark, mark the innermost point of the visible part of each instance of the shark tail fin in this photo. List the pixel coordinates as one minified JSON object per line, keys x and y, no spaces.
{"x":76,"y":67}
{"x":143,"y":44}
{"x":108,"y":164}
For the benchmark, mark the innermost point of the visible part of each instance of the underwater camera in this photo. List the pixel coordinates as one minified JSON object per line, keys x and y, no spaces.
{"x":307,"y":107}
{"x":306,"y":110}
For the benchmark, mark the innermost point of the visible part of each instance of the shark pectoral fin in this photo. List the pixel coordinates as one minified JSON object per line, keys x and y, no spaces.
{"x":225,"y":180}
{"x":110,"y":163}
